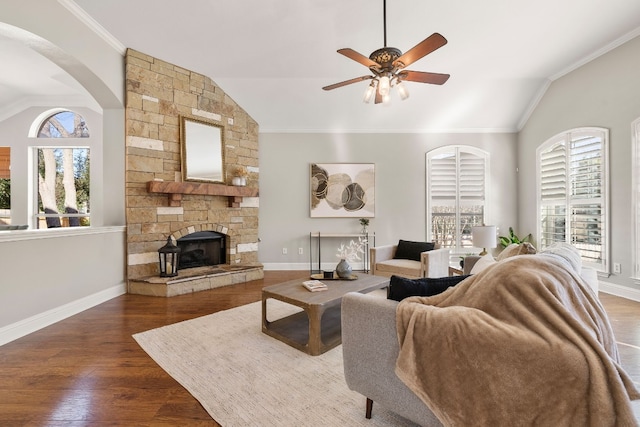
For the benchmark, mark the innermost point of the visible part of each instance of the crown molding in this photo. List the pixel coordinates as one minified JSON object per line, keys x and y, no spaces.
{"x":605,"y":49}
{"x":392,"y":131}
{"x":93,"y":25}
{"x":533,"y":104}
{"x":541,"y":92}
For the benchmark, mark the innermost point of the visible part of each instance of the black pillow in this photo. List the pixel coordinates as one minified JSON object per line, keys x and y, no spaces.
{"x":401,"y":287}
{"x":412,"y":250}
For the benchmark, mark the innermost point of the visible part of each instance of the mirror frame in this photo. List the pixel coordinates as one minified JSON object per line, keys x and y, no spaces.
{"x":194,"y":146}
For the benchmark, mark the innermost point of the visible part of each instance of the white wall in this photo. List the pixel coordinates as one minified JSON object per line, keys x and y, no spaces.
{"x":48,"y":275}
{"x":605,"y":93}
{"x":400,"y":187}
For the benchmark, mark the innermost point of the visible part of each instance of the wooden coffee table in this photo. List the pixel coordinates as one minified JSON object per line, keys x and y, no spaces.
{"x":317,"y":328}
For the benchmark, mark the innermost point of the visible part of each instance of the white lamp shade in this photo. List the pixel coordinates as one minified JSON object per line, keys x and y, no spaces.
{"x":368,"y":95}
{"x":484,"y":236}
{"x":384,"y":85}
{"x":402,"y":91}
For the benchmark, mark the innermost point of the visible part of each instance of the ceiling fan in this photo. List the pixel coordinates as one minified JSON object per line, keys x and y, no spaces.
{"x":387,"y":65}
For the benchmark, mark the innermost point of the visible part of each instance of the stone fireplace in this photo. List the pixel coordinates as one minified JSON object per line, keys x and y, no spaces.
{"x":160,"y":205}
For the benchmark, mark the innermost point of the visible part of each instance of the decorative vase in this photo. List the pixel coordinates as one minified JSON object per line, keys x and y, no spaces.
{"x":343,"y":269}
{"x":239,"y":181}
{"x":364,"y":230}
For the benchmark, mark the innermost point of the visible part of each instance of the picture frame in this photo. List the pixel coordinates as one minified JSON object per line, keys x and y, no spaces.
{"x":342,"y":190}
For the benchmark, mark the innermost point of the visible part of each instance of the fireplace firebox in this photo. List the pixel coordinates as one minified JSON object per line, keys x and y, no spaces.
{"x":202,"y":248}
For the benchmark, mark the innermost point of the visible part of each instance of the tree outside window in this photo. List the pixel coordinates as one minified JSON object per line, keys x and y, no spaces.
{"x":5,"y":185}
{"x":63,"y":174}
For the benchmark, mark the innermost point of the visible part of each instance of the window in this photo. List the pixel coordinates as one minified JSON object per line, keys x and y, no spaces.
{"x":572,"y":197}
{"x":62,"y":173}
{"x":635,"y":131}
{"x":5,"y":185}
{"x":456,"y":194}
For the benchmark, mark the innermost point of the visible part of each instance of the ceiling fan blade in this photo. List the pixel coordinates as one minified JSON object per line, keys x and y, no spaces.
{"x":422,"y":77}
{"x":347,"y":82}
{"x":425,"y":47}
{"x":358,"y":57}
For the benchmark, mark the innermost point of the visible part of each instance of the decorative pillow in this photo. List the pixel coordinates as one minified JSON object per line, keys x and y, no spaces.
{"x":401,"y":287}
{"x":514,"y":249}
{"x":412,"y":250}
{"x":484,"y":262}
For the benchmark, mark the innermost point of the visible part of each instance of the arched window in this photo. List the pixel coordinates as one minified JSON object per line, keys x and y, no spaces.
{"x":64,"y":124}
{"x":456,"y":194}
{"x":635,"y":179}
{"x":572,"y":193}
{"x":62,"y":172}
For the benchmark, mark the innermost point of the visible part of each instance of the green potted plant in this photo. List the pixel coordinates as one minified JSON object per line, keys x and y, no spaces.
{"x":513,"y":238}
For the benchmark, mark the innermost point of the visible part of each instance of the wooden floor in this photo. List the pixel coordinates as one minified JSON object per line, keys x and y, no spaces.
{"x":88,"y":371}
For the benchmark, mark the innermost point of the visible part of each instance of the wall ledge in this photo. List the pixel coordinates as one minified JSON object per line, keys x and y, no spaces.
{"x":18,"y":235}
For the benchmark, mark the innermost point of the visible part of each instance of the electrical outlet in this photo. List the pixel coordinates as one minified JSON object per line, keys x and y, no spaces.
{"x":300,"y":251}
{"x":284,"y":251}
{"x":617,"y":268}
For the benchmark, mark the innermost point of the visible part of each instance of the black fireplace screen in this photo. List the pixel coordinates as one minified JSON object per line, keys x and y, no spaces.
{"x":201,"y":249}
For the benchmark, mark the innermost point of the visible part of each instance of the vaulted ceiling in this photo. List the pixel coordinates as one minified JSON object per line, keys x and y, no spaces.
{"x":274,"y":56}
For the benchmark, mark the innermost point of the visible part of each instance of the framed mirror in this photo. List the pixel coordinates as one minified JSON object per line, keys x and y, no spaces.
{"x":202,"y":145}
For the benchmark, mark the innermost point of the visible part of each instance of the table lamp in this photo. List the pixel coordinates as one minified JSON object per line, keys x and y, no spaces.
{"x":484,"y":236}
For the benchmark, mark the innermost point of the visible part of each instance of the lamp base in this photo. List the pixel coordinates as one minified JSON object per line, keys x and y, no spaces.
{"x":484,"y":252}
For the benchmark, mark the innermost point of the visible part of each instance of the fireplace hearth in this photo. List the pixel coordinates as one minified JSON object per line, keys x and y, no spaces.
{"x":202,"y":248}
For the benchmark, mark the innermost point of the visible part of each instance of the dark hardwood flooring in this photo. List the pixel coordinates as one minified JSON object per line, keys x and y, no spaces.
{"x":88,"y":371}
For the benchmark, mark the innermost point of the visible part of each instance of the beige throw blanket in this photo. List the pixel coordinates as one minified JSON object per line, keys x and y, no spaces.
{"x":524,"y":342}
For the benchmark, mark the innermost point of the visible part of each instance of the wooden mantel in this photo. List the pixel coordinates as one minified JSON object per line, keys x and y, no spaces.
{"x":175,"y":190}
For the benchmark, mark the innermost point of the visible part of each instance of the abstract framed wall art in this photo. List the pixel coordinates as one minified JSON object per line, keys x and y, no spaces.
{"x":342,"y":190}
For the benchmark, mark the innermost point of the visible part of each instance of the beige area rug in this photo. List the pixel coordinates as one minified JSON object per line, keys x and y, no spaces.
{"x":243,"y":377}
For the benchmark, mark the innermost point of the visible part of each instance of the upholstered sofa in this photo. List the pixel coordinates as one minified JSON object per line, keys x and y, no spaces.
{"x":430,"y":263}
{"x":370,"y":350}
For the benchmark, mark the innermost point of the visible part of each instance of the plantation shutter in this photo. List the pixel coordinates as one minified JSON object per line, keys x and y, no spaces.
{"x":456,"y":178}
{"x":586,"y":196}
{"x":471,"y":175}
{"x":553,"y":194}
{"x":443,"y":184}
{"x":553,"y":173}
{"x":572,"y":196}
{"x":443,"y":181}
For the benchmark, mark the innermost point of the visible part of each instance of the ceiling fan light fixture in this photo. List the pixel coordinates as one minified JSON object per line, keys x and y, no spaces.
{"x":368,"y":94}
{"x":384,"y":85}
{"x":386,"y":99}
{"x":402,"y":90}
{"x":388,"y":67}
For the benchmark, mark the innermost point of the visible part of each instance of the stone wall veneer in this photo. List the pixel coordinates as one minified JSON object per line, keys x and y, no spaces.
{"x":158,"y":93}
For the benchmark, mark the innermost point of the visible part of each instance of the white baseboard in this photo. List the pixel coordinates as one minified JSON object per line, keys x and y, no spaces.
{"x":620,"y":291}
{"x":306,"y":266}
{"x":273,"y":266}
{"x":26,"y":326}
